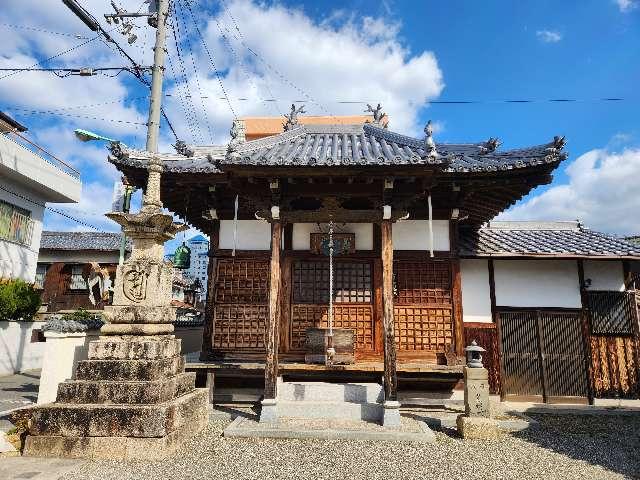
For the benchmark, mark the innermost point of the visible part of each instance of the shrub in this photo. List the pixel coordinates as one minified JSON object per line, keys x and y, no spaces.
{"x":19,"y":300}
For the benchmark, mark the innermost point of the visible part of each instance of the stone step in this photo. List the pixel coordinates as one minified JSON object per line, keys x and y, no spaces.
{"x":126,"y":392}
{"x":331,"y":392}
{"x":129,"y":369}
{"x":134,"y":348}
{"x":97,"y":420}
{"x":330,"y":410}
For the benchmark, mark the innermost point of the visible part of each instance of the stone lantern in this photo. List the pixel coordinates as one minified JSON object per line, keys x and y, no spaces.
{"x":474,"y":355}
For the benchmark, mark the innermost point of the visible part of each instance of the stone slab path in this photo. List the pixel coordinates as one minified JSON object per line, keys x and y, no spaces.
{"x":17,"y":391}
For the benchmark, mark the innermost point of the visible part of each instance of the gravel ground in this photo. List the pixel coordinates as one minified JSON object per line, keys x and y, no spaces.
{"x":562,"y":447}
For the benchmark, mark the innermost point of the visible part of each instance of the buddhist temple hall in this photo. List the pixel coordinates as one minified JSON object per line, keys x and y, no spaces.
{"x":341,"y":250}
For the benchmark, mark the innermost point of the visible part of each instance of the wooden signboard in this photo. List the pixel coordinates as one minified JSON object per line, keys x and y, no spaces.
{"x":343,"y":243}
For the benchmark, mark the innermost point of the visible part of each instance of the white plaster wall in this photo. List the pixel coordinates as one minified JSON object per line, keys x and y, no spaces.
{"x":604,"y":274}
{"x":537,"y":283}
{"x":77,"y":256}
{"x":414,"y":235}
{"x":19,"y":261}
{"x":252,"y":235}
{"x":17,"y":353}
{"x":476,"y":299}
{"x":363,"y":232}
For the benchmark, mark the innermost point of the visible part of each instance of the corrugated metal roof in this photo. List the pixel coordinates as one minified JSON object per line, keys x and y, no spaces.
{"x":97,"y":241}
{"x":542,"y":239}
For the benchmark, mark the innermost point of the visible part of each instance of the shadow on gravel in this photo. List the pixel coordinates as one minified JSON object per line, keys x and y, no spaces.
{"x":610,"y":441}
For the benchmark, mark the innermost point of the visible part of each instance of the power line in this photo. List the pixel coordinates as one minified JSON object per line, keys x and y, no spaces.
{"x":192,"y":117}
{"x":59,"y":212}
{"x":27,"y":111}
{"x":213,"y":63}
{"x":35,"y":29}
{"x":193,"y":63}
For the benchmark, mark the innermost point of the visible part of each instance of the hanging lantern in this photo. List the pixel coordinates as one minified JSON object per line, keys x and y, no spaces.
{"x":182,"y":257}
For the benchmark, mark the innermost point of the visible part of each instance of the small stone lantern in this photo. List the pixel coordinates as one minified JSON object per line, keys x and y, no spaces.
{"x":474,"y":355}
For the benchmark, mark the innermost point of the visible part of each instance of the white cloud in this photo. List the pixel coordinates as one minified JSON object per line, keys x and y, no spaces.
{"x":549,"y":36}
{"x":356,"y":60}
{"x":601,"y":191}
{"x":626,"y":5}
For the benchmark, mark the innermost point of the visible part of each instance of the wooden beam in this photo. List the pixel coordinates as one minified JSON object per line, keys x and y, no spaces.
{"x":390,"y":374}
{"x":273,"y":325}
{"x":492,"y":290}
{"x":456,"y":289}
{"x":208,"y":330}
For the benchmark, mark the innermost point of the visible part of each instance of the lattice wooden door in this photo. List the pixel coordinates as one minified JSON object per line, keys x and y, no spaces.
{"x":543,"y":356}
{"x":352,"y":300}
{"x":423,"y":309}
{"x":240,"y":305}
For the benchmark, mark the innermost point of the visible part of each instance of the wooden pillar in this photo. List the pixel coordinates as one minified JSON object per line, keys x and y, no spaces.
{"x":208,"y":330}
{"x":456,"y":289}
{"x":390,"y":375}
{"x":586,"y":332}
{"x":273,"y":322}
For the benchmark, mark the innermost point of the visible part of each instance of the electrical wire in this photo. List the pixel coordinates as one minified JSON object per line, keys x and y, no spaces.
{"x":35,"y":29}
{"x":213,"y":63}
{"x":27,"y":111}
{"x":193,"y":63}
{"x":192,"y":118}
{"x":54,"y":210}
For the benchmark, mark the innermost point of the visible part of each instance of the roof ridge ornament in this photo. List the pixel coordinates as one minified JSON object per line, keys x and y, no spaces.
{"x":237,"y":136}
{"x":378,"y":115}
{"x":183,"y":149}
{"x":557,"y":144}
{"x":429,"y":144}
{"x":292,"y":118}
{"x":490,"y":145}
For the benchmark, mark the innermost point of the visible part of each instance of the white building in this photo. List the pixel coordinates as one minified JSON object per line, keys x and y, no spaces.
{"x":199,"y":246}
{"x":30,"y":177}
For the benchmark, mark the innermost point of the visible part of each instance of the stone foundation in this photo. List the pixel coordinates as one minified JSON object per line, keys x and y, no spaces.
{"x":130,"y":400}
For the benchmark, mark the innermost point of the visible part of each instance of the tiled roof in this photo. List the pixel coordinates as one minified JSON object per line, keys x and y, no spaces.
{"x":347,"y":145}
{"x":101,"y":241}
{"x":538,"y":239}
{"x":367,"y":145}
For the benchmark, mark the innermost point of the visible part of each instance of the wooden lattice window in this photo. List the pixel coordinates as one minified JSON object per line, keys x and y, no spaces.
{"x":423,"y":328}
{"x":240,"y":327}
{"x":422,"y":283}
{"x":351,"y":282}
{"x":242,"y":281}
{"x":357,"y":318}
{"x":612,"y":313}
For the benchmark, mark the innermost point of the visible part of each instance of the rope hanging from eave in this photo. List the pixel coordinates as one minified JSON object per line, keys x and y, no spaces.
{"x":235,"y":227}
{"x":430,"y":225}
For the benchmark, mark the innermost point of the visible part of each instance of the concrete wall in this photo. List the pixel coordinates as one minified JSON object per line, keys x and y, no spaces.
{"x":17,"y":353}
{"x":537,"y":283}
{"x":476,"y":299}
{"x":19,"y":261}
{"x":23,"y":167}
{"x":252,"y":235}
{"x":604,"y":274}
{"x":414,"y":235}
{"x":363,"y":232}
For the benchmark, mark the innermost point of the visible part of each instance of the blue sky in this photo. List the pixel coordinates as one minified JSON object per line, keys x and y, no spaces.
{"x":401,"y":53}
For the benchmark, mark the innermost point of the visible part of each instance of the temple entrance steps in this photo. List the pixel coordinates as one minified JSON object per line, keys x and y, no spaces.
{"x":336,"y":401}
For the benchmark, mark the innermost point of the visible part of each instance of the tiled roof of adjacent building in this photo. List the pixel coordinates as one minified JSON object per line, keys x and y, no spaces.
{"x":539,"y":239}
{"x":97,"y":241}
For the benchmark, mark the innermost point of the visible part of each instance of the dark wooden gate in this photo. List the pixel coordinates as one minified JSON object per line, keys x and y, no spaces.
{"x":543,"y":356}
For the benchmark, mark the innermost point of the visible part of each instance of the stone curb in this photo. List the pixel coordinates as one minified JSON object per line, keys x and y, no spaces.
{"x":243,"y":428}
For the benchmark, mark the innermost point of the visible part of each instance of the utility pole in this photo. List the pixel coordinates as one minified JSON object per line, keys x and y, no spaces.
{"x":155,"y":104}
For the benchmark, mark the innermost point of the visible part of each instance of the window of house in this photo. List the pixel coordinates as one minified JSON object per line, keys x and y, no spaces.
{"x":77,"y":280}
{"x":41,"y":272}
{"x":16,"y":224}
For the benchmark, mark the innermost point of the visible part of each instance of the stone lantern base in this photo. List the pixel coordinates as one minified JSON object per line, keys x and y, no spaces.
{"x":130,"y":400}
